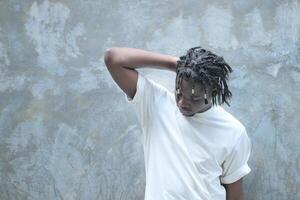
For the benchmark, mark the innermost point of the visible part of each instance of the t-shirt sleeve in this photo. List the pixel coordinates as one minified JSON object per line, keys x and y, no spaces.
{"x":147,"y":91}
{"x":236,"y":165}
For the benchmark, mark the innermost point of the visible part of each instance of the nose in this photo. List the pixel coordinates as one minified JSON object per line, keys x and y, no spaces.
{"x":183,"y":104}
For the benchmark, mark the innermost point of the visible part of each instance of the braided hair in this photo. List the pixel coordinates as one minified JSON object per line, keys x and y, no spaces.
{"x":208,"y":69}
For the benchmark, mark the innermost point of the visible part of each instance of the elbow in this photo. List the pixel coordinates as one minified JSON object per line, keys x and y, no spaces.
{"x":110,"y":56}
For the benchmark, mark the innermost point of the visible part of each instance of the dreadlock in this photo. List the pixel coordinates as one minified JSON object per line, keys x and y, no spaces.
{"x":208,"y":69}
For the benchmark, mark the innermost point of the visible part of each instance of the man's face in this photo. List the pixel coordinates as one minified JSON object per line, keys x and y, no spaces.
{"x":189,"y":104}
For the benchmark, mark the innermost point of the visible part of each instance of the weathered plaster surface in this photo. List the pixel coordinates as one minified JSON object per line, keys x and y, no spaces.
{"x":66,"y":130}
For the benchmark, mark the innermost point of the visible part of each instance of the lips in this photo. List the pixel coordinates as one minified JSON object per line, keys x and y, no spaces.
{"x":185,"y":111}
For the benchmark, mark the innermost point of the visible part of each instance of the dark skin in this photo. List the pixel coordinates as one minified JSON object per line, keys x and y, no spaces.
{"x":189,"y":104}
{"x":121,"y":63}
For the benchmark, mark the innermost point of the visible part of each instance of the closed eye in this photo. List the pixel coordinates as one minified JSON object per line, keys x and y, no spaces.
{"x":194,"y":98}
{"x":197,"y":99}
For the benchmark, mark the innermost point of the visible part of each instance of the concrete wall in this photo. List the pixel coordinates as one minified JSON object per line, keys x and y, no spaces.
{"x":66,"y":130}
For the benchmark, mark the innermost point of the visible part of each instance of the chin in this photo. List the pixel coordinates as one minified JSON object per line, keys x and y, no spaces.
{"x":191,"y":115}
{"x":188,"y":114}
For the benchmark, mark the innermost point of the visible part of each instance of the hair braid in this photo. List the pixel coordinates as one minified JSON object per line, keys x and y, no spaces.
{"x":208,"y":69}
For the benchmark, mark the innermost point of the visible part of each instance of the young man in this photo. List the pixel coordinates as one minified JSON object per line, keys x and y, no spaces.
{"x":194,"y":149}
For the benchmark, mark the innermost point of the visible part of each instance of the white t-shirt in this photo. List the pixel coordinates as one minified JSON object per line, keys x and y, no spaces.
{"x":187,"y":158}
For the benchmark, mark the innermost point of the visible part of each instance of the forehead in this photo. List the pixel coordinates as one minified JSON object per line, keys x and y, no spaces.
{"x":187,"y":85}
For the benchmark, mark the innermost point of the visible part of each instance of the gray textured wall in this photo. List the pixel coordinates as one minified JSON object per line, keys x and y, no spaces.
{"x":66,"y":130}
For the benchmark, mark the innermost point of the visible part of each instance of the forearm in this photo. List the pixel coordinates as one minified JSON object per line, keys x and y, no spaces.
{"x":234,"y":191}
{"x":138,"y":58}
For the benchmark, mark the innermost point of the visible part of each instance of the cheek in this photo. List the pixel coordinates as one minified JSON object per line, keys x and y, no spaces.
{"x":198,"y":104}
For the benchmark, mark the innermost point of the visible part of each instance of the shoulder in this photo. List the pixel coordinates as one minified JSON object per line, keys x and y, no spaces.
{"x":232,"y":127}
{"x":235,"y":124}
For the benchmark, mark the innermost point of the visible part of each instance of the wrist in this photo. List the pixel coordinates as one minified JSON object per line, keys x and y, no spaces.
{"x":173,"y":63}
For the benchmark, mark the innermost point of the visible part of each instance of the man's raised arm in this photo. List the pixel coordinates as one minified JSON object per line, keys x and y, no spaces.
{"x":122,"y":61}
